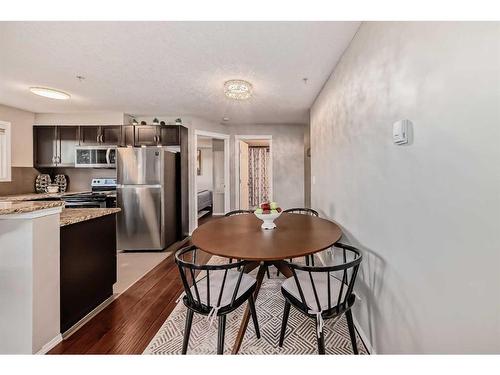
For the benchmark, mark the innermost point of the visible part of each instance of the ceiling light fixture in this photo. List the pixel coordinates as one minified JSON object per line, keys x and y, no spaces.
{"x":50,"y":93}
{"x":238,"y":89}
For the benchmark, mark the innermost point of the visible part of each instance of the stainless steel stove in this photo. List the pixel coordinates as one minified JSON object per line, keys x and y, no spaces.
{"x":103,"y":195}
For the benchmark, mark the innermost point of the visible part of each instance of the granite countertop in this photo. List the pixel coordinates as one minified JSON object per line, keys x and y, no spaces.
{"x":38,"y":196}
{"x":76,"y":215}
{"x":7,"y":208}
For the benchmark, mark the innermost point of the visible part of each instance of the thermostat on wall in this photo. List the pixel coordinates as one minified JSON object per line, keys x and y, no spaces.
{"x":400,"y":131}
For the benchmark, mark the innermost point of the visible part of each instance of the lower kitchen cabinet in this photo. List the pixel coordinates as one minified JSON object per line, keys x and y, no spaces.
{"x":88,"y":267}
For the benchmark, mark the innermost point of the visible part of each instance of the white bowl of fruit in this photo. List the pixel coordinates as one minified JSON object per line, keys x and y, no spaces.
{"x":268,"y":212}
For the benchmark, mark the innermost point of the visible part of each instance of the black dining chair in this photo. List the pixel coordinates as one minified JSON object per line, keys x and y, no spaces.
{"x":215,"y":291}
{"x":302,"y":211}
{"x":323,"y":292}
{"x":244,"y":212}
{"x":238,"y":212}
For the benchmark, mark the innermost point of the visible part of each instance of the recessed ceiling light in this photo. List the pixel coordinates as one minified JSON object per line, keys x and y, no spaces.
{"x":225,"y":119}
{"x":50,"y":93}
{"x":238,"y":89}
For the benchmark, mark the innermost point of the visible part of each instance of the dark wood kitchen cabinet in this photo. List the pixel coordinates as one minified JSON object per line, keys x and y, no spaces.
{"x":87,"y":268}
{"x":111,"y":135}
{"x":89,"y":135}
{"x":44,"y":145}
{"x":170,"y":135}
{"x":100,"y":135}
{"x":146,"y":135}
{"x":54,"y":146}
{"x":151,"y":135}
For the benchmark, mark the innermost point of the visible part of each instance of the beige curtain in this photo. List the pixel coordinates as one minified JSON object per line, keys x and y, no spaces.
{"x":258,"y":175}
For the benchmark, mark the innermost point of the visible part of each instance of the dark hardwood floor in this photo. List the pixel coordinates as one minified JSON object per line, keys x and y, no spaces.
{"x":129,"y":323}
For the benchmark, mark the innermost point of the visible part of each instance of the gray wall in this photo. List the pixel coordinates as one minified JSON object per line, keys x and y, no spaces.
{"x":288,"y":161}
{"x":424,"y":215}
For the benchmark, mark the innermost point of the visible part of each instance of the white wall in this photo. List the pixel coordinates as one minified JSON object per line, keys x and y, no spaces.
{"x":22,"y":134}
{"x":81,"y":118}
{"x":424,"y":215}
{"x":205,"y":180}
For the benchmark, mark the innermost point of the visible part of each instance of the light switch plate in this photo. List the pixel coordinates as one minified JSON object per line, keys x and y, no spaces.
{"x":400,"y":132}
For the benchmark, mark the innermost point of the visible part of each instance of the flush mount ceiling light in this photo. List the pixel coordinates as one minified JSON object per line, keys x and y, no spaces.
{"x":50,"y":93}
{"x":238,"y":89}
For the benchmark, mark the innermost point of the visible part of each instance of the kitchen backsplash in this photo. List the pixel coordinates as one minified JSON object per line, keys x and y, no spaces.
{"x":23,"y":181}
{"x":79,"y":178}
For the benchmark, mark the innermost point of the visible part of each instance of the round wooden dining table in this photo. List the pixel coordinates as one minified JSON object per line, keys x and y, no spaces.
{"x":241,"y":237}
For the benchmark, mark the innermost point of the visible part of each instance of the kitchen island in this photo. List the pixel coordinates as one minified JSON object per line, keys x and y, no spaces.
{"x":56,"y":266}
{"x":29,"y":276}
{"x":88,"y":261}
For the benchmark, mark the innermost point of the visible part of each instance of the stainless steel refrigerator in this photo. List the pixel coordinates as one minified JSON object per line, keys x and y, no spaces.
{"x":146,"y":194}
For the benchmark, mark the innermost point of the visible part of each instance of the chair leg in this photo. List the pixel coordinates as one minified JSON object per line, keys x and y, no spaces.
{"x":222,"y":332}
{"x":187,"y":330}
{"x":286,"y":313}
{"x":352,"y":331}
{"x":253,"y":311}
{"x":267,"y":272}
{"x":321,"y":340}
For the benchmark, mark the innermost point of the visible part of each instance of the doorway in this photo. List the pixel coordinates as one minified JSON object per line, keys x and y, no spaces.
{"x":211,"y":176}
{"x":254,"y":167}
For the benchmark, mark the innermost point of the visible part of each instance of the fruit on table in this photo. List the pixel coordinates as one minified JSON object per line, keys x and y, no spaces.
{"x":268,"y":208}
{"x":265,"y":206}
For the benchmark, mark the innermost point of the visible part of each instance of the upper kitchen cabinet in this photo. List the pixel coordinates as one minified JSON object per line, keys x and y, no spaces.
{"x":170,"y":135}
{"x":151,"y":135}
{"x":44,"y":143}
{"x":100,"y":135}
{"x":111,"y":134}
{"x":146,"y":135}
{"x":66,"y":142}
{"x":89,"y":135}
{"x":54,"y":146}
{"x":127,"y":138}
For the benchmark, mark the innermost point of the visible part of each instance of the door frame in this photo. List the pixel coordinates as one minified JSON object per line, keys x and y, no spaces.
{"x":237,"y":139}
{"x":227,"y":186}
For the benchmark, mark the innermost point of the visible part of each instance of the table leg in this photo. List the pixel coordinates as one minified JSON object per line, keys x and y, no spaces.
{"x":246,"y":314}
{"x":283,"y":268}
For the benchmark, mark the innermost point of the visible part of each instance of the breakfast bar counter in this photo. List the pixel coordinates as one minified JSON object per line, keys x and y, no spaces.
{"x":71,"y":216}
{"x":12,"y":208}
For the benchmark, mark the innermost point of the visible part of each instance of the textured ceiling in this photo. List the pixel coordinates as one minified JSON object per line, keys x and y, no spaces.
{"x":147,"y":68}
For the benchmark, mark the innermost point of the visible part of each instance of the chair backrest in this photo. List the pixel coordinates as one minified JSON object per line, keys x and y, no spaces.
{"x":239,"y":212}
{"x":345,"y":264}
{"x":302,"y":210}
{"x":193,"y":274}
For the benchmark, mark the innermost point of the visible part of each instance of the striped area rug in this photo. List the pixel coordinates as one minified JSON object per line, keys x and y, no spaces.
{"x":300,"y":335}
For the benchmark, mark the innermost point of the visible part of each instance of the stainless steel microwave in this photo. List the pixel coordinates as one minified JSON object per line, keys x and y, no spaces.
{"x":95,"y":157}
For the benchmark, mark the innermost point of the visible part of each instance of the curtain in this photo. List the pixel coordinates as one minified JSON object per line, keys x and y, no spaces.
{"x":258,"y":175}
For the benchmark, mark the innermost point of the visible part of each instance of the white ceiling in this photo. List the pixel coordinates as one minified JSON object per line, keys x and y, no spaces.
{"x":171,"y":68}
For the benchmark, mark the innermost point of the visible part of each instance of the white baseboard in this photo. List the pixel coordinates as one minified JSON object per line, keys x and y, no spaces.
{"x":56,"y":340}
{"x":363,"y":336}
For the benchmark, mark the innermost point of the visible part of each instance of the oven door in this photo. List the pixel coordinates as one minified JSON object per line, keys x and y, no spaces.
{"x":85,"y":204}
